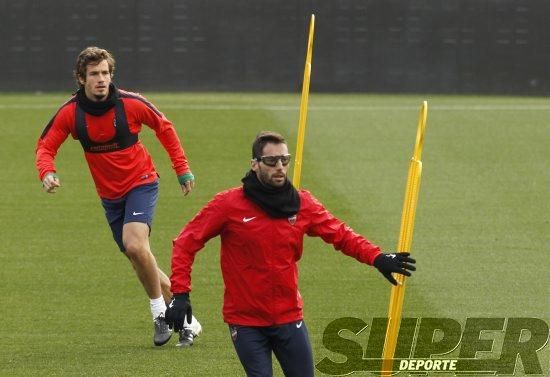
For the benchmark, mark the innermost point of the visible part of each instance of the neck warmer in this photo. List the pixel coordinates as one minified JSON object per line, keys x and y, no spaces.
{"x":97,"y":108}
{"x":278,"y":202}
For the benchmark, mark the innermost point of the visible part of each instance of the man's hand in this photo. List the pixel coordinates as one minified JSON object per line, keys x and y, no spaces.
{"x":50,"y":183}
{"x":399,"y":263}
{"x":187,"y":182}
{"x":178,"y":309}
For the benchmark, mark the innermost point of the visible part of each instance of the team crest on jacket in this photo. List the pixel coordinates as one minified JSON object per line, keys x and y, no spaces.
{"x":292,"y":220}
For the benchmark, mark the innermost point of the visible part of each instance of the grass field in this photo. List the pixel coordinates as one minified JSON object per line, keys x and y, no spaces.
{"x":71,"y":305}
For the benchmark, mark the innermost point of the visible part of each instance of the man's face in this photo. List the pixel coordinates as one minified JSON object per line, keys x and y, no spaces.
{"x":271,"y":175}
{"x":98,"y":78}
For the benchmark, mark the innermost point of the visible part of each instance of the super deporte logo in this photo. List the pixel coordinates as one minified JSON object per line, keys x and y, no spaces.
{"x":483,"y":346}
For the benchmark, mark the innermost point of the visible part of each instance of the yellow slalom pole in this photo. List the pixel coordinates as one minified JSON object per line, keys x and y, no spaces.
{"x":303,"y":108}
{"x":405,"y":240}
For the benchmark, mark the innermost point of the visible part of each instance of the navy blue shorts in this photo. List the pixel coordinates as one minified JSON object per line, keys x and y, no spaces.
{"x":289,"y":343}
{"x":138,"y":205}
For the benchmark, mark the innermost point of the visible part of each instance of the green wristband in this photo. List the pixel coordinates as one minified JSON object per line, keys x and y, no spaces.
{"x":184,"y":178}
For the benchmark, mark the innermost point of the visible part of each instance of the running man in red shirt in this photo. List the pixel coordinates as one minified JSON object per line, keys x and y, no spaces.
{"x":262,"y":226}
{"x":106,"y":120}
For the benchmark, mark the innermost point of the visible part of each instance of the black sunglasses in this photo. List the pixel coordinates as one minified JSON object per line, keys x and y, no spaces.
{"x":272,"y":160}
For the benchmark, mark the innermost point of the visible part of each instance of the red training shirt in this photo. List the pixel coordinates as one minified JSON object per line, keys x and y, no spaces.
{"x":117,"y":172}
{"x":259,"y":254}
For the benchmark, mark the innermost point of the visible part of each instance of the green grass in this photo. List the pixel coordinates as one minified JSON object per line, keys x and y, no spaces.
{"x":71,"y":305}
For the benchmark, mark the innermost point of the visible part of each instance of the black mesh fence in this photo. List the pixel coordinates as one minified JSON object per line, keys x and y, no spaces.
{"x":437,"y":46}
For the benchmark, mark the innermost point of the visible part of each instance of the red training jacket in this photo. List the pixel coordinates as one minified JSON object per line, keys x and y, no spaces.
{"x":259,"y":254}
{"x":114,"y":173}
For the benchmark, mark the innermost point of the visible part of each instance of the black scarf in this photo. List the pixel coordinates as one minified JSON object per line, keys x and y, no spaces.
{"x":278,"y":202}
{"x":97,"y":108}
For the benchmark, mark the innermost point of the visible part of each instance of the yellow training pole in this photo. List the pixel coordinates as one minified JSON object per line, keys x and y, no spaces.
{"x":303,"y":108}
{"x":404,"y":245}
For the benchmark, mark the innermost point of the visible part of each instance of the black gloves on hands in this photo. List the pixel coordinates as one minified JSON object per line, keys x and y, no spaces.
{"x":395,"y":262}
{"x":178,"y":309}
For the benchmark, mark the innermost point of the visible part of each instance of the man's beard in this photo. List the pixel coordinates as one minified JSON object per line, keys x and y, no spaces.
{"x":264,"y":179}
{"x":99,"y":97}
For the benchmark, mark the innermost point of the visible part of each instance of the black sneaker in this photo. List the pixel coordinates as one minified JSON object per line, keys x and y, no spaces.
{"x":186,"y":338}
{"x":162,"y":331}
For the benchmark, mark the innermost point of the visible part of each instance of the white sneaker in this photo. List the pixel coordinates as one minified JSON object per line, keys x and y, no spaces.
{"x":195,"y":327}
{"x":186,"y":338}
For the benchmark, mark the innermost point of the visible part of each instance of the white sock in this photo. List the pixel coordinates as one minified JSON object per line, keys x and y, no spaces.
{"x":158,"y":306}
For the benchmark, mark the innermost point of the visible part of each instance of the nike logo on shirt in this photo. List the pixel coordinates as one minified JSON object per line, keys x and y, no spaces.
{"x":247,"y":219}
{"x":137,"y":213}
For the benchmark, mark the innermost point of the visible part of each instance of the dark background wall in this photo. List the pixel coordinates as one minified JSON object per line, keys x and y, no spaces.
{"x":448,"y":46}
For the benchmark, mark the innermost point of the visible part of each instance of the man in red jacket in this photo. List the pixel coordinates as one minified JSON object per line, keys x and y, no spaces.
{"x":106,"y":121}
{"x":262,"y":225}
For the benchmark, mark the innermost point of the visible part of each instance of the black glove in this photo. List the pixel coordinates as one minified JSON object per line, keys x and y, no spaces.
{"x":395,"y":262}
{"x":178,"y":309}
